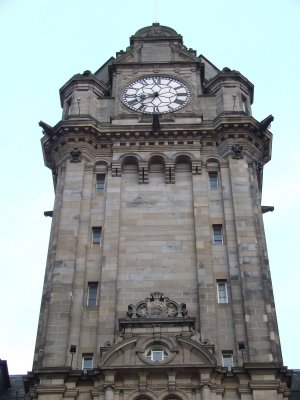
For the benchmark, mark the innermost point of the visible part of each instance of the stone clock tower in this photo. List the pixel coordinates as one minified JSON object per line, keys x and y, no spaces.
{"x":157,"y":282}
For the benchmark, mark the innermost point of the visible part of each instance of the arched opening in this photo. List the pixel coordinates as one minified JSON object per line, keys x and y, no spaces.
{"x":183,"y":171}
{"x":130,"y":164}
{"x":130,"y":167}
{"x":157,"y":169}
{"x":183,"y":163}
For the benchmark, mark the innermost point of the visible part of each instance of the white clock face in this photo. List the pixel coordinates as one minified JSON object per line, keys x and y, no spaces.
{"x":156,"y":95}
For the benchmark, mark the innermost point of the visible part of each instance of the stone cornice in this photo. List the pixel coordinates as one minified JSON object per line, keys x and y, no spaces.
{"x":224,"y":122}
{"x":125,"y":322}
{"x":227,"y":129}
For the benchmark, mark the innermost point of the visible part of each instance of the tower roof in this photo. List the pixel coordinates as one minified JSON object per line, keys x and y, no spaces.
{"x":156,"y":31}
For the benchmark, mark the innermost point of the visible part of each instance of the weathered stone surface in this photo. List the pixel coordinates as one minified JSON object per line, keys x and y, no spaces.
{"x":164,"y":229}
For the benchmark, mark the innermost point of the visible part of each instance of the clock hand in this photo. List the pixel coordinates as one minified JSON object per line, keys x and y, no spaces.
{"x":144,"y":97}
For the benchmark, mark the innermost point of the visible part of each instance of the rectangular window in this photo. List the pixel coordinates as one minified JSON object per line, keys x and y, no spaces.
{"x":92,"y":294}
{"x":87,"y":361}
{"x":96,"y":235}
{"x":222,"y":292}
{"x":217,"y":234}
{"x":244,"y":104}
{"x":100,"y":182}
{"x":68,"y":107}
{"x":157,"y":356}
{"x":227,"y":359}
{"x":213,"y":180}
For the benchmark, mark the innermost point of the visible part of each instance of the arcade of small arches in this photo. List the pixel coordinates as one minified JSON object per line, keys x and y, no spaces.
{"x":157,"y":163}
{"x":164,"y":395}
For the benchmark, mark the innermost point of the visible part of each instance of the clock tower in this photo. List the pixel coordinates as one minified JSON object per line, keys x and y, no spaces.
{"x":157,"y":283}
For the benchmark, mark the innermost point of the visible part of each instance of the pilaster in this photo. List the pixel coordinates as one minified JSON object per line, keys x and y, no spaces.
{"x":109,"y":271}
{"x":251,"y":279}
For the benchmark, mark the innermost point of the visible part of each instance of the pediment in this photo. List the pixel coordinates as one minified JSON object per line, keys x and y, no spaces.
{"x":133,"y":353}
{"x":156,"y":52}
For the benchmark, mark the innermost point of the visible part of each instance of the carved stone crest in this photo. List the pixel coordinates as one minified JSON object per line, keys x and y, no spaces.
{"x":157,"y":306}
{"x":237,"y":151}
{"x":75,"y":155}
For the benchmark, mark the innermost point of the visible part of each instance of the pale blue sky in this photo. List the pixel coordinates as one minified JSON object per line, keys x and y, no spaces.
{"x":45,"y":42}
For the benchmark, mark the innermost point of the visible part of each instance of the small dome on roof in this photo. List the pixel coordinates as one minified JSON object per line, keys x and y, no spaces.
{"x":156,"y":30}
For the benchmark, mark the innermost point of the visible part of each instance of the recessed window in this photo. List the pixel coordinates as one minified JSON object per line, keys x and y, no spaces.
{"x":92,"y":294}
{"x":244,"y":104}
{"x":227,"y":359}
{"x":87,"y":361}
{"x":100,"y":182}
{"x":68,"y":106}
{"x":96,"y":235}
{"x":222,"y":292}
{"x":157,"y":354}
{"x":213,"y":180}
{"x":217,"y":234}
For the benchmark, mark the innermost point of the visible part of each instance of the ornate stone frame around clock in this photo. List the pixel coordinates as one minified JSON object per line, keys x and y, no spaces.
{"x":190,"y":92}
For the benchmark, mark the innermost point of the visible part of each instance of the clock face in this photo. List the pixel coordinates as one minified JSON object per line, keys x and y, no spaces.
{"x":156,"y":95}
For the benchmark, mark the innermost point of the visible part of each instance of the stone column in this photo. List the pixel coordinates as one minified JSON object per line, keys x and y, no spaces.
{"x":108,"y":393}
{"x":205,"y":391}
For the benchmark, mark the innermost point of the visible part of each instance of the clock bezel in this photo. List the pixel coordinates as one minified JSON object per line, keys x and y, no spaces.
{"x":170,"y":77}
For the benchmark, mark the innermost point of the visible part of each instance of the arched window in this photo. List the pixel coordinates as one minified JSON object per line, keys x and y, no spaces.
{"x":183,"y":164}
{"x":156,"y":169}
{"x":130,"y":167}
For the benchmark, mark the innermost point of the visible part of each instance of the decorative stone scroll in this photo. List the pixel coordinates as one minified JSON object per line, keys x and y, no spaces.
{"x":157,"y":306}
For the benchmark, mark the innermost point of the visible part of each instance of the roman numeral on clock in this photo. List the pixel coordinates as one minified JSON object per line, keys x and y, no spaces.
{"x":178,"y":101}
{"x":132,"y":102}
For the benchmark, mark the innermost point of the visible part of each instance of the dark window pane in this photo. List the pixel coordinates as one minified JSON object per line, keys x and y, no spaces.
{"x":87,"y":362}
{"x":100,"y":182}
{"x":157,"y":355}
{"x":96,"y":239}
{"x":217,"y":234}
{"x":213,"y":180}
{"x":92,"y":294}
